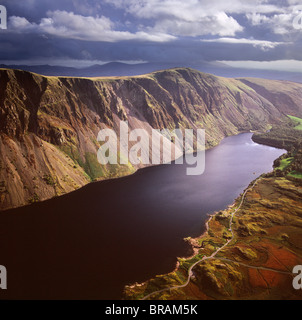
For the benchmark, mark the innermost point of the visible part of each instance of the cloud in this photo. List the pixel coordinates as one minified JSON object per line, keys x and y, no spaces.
{"x":192,"y":10}
{"x":178,"y":53}
{"x":217,"y":17}
{"x":168,"y":31}
{"x":256,"y":18}
{"x":183,"y":18}
{"x":280,"y":65}
{"x":218,"y":24}
{"x":281,"y":23}
{"x":262,"y":44}
{"x":69,"y":25}
{"x":19,"y":23}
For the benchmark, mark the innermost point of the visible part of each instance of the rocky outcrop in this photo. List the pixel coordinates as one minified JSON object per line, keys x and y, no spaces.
{"x":49,"y":125}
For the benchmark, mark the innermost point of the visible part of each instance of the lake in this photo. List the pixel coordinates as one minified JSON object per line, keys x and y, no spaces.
{"x":90,"y":243}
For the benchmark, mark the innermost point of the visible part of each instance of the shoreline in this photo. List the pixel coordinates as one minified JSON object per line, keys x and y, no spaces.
{"x":193,"y":242}
{"x":136,"y":171}
{"x":190,"y":272}
{"x":270,"y":250}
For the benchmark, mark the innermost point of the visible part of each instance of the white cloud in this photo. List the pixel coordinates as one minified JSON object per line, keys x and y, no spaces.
{"x":69,"y":25}
{"x":19,"y":23}
{"x":192,"y":10}
{"x":200,"y":17}
{"x":219,"y":24}
{"x":185,"y":18}
{"x":279,"y":23}
{"x":166,"y":20}
{"x":262,"y":44}
{"x":257,"y":18}
{"x":279,"y":65}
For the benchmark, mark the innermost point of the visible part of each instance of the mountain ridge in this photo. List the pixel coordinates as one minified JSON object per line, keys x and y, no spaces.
{"x":49,"y":125}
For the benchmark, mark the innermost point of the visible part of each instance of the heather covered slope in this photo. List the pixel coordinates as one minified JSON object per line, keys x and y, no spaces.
{"x":49,"y":125}
{"x":256,"y":264}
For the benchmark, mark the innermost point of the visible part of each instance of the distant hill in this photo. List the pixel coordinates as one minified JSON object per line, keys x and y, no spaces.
{"x":117,"y":69}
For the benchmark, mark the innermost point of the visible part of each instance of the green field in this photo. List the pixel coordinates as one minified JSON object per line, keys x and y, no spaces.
{"x":298,"y":121}
{"x":284,"y":163}
{"x":296,"y":174}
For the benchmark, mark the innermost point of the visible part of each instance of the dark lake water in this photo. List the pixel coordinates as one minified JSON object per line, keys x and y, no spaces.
{"x":90,"y":243}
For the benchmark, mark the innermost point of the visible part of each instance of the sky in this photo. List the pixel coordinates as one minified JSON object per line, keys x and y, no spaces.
{"x":251,"y":33}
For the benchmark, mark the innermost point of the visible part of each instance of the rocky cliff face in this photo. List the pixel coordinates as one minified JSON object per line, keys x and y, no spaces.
{"x":49,"y":125}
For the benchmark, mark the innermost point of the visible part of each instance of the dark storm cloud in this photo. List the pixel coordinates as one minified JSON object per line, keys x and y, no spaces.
{"x":129,"y":30}
{"x":34,"y":10}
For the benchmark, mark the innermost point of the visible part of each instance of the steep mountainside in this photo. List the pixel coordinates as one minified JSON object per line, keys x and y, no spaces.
{"x":49,"y":125}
